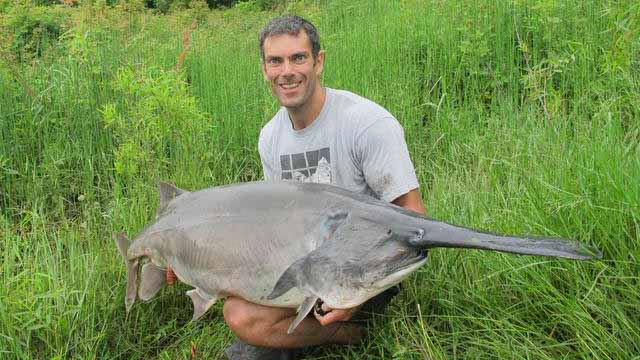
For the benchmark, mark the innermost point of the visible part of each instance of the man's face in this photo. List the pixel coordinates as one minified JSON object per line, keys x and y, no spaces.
{"x":290,"y":69}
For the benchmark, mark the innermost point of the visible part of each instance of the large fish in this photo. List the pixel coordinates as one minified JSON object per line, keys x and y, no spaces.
{"x":291,"y":244}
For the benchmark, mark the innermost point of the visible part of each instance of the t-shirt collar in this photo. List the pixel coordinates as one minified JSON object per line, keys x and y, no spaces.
{"x":315,"y":123}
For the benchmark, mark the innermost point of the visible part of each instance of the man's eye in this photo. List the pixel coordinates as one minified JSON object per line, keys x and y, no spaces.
{"x":273,"y":61}
{"x":299,"y":58}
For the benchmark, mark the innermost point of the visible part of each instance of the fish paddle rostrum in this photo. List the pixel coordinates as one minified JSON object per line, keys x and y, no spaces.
{"x":291,"y":244}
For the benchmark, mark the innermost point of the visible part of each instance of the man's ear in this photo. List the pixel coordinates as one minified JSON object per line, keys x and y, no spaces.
{"x":319,"y":63}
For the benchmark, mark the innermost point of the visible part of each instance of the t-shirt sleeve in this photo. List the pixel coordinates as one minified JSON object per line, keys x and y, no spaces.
{"x":385,"y":161}
{"x":266,"y":157}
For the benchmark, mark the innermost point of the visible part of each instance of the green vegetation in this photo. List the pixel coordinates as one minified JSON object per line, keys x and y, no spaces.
{"x":521,"y":116}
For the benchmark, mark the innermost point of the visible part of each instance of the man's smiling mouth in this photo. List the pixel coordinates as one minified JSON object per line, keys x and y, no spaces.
{"x":289,"y":86}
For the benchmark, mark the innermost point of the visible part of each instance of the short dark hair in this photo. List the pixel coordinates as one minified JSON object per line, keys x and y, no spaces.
{"x":290,"y":24}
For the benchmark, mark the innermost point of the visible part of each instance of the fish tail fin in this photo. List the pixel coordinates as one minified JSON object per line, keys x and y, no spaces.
{"x":132,"y":269}
{"x":152,"y":279}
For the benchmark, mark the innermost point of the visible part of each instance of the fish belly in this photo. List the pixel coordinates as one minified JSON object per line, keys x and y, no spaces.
{"x":240,"y":256}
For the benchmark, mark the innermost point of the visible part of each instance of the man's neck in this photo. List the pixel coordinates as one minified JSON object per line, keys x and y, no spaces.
{"x":303,"y":116}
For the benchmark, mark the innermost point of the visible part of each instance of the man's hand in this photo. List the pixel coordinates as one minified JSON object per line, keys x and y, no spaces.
{"x":333,"y":315}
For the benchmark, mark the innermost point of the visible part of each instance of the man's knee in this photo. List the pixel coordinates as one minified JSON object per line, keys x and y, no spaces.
{"x":251,"y":322}
{"x":238,"y":316}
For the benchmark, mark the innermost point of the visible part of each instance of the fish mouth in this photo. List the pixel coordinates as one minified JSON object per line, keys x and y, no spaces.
{"x":400,"y":266}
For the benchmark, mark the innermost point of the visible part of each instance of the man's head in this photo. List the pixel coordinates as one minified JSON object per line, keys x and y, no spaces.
{"x":292,"y":61}
{"x":292,"y":25}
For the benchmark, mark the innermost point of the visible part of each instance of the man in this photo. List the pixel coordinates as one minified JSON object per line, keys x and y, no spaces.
{"x":320,"y":135}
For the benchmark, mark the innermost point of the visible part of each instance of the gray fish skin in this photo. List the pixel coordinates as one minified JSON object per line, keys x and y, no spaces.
{"x":279,"y":243}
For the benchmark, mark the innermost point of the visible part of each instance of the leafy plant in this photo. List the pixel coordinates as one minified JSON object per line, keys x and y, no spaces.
{"x":46,"y":2}
{"x":34,"y":29}
{"x":155,"y":123}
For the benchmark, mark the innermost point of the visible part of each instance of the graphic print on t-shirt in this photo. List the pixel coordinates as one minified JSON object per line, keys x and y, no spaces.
{"x":311,"y":166}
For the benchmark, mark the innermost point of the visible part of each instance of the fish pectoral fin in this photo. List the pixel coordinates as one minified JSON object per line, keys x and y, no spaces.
{"x":200,"y":303}
{"x":287,"y":281}
{"x":303,"y":310}
{"x":152,"y":280}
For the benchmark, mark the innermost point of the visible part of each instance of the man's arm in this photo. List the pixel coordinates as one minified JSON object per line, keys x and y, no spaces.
{"x":268,"y":172}
{"x":411,"y":201}
{"x":387,"y":169}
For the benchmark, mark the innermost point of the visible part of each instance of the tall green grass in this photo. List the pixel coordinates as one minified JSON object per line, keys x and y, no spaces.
{"x":520,"y":116}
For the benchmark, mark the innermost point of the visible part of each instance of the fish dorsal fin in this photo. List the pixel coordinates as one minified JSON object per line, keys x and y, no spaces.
{"x":200,"y":303}
{"x":168,"y":192}
{"x":152,"y":279}
{"x":303,"y":310}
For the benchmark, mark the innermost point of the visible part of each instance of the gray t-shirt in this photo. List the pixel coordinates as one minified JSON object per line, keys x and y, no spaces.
{"x":354,"y":143}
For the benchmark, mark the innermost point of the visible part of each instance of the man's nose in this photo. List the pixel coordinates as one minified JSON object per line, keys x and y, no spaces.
{"x":287,"y":68}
